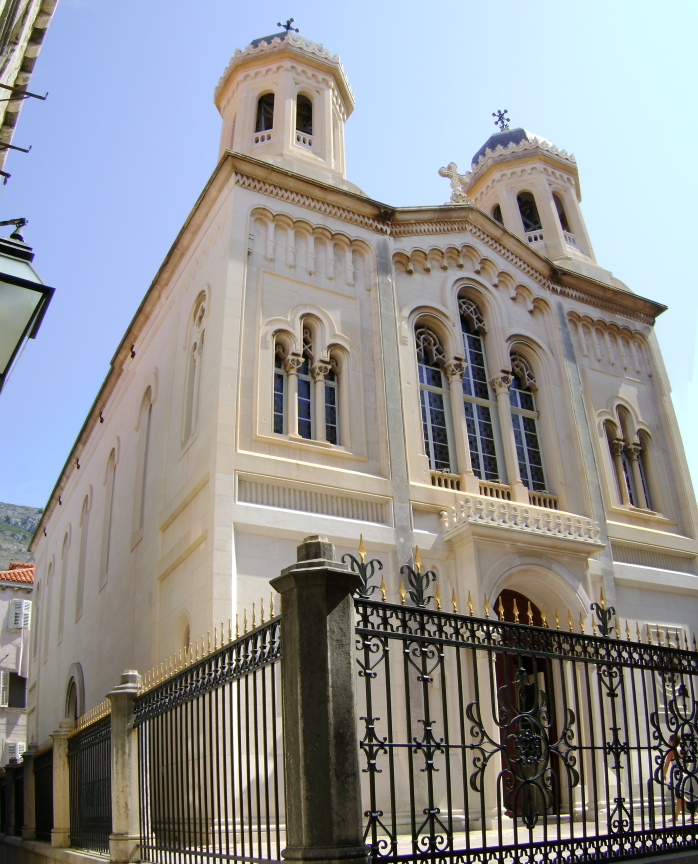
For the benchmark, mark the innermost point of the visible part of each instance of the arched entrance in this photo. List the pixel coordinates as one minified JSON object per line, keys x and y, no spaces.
{"x":530,"y":777}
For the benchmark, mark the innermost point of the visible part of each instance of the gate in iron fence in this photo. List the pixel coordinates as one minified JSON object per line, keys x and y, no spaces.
{"x":484,"y":740}
{"x":89,"y":760}
{"x":210,"y":756}
{"x":43,"y":794}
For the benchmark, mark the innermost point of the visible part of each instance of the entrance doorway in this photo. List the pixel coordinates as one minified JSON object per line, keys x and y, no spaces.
{"x":527,"y":718}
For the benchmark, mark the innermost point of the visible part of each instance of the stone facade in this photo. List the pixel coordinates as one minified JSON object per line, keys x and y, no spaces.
{"x":269,"y":388}
{"x":16,"y":588}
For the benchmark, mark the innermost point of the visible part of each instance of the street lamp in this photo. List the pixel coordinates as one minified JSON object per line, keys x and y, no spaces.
{"x":23,"y":297}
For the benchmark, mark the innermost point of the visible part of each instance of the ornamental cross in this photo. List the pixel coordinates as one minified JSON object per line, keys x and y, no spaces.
{"x":502,"y":120}
{"x":458,"y":182}
{"x":288,"y":26}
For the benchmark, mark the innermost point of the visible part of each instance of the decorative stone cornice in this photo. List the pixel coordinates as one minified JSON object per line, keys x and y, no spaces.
{"x":476,"y":510}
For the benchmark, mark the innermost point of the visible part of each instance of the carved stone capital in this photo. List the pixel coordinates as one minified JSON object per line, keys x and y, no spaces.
{"x":319,"y":370}
{"x":617,"y":446}
{"x":293,"y":363}
{"x":633,"y":451}
{"x":501,"y":383}
{"x":454,"y":369}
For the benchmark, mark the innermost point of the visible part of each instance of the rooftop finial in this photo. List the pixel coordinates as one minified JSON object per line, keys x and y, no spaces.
{"x":501,"y":119}
{"x":289,"y":26}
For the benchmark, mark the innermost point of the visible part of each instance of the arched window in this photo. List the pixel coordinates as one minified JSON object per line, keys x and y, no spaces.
{"x":305,"y":387}
{"x":528,"y":211}
{"x":265,"y":113}
{"x":144,"y":423}
{"x":559,"y":206}
{"x":616,"y":445}
{"x":644,"y":467}
{"x":64,"y":586}
{"x":524,"y":418}
{"x":434,"y":397}
{"x":195,"y":351}
{"x":497,"y":214}
{"x":280,"y":354}
{"x":71,"y":701}
{"x":332,"y":403}
{"x":476,"y":394}
{"x":82,"y":560}
{"x":47,"y":614}
{"x":107,"y":520}
{"x":304,"y":115}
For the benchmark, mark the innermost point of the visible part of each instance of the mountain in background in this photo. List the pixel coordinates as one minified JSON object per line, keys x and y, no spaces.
{"x":17,"y":525}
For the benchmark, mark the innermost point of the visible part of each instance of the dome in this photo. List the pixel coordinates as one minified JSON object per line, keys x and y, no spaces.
{"x":513,"y":141}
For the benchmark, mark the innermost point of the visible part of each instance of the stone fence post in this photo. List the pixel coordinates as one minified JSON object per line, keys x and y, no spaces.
{"x":321,"y":759}
{"x":29,"y":829}
{"x":125,"y":817}
{"x":9,"y":827}
{"x":60,"y":833}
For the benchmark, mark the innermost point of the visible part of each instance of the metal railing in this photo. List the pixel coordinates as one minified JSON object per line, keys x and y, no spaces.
{"x":43,"y":793}
{"x":484,"y":740}
{"x":89,"y":760}
{"x":18,"y":797}
{"x":211,"y":756}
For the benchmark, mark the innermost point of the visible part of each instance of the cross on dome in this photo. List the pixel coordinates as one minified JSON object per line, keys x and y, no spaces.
{"x":502,"y":120}
{"x":288,"y":26}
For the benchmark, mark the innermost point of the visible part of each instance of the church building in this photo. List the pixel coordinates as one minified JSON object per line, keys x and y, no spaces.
{"x":463,"y":378}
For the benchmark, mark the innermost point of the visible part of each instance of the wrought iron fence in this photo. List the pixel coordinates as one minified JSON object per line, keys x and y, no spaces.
{"x":43,"y":794}
{"x":89,"y":761}
{"x":484,"y":740}
{"x":211,"y":756}
{"x":18,"y":798}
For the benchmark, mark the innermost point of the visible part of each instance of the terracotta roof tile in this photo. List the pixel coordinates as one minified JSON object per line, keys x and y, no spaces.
{"x":18,"y":572}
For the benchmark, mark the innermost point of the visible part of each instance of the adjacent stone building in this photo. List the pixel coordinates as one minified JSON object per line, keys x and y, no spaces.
{"x":16,"y":586}
{"x":464,"y":378}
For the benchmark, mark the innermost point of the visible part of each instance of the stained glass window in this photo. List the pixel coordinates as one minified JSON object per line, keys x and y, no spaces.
{"x":433,"y":394}
{"x":524,"y":416}
{"x":305,"y":389}
{"x":476,"y":394}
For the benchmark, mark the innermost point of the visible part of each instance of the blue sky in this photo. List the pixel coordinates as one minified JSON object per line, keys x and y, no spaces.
{"x":129,"y":135}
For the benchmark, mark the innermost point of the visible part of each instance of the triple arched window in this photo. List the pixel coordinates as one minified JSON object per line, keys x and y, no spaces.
{"x":630,"y":457}
{"x":466,"y":428}
{"x":307,"y":387}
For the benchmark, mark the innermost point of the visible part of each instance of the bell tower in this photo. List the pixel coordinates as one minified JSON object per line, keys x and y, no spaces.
{"x":284,"y":100}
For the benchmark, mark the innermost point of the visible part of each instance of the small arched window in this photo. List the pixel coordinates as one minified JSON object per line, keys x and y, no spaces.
{"x":107,"y":520}
{"x":497,"y":214}
{"x":265,"y":113}
{"x":524,"y":419}
{"x":47,"y":615}
{"x":332,"y":402}
{"x":82,"y":559}
{"x":64,"y":585}
{"x":144,"y":423}
{"x":304,"y":115}
{"x":562,"y":216}
{"x":644,"y":467}
{"x":433,"y":395}
{"x":478,"y":403}
{"x":280,"y":354}
{"x":195,"y":353}
{"x":528,"y":211}
{"x":305,"y":386}
{"x":71,"y":701}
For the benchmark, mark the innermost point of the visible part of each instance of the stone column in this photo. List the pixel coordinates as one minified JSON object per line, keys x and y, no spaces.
{"x":125,"y":836}
{"x":60,"y":833}
{"x":633,"y":451}
{"x":318,"y":372}
{"x":500,"y":384}
{"x":291,"y":365}
{"x":318,"y":677}
{"x":29,"y":829}
{"x":455,"y":369}
{"x":617,"y":447}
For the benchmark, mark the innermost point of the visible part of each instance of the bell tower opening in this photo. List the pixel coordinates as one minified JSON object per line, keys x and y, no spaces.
{"x":265,"y":113}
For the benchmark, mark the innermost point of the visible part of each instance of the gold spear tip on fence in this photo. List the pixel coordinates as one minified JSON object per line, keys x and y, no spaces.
{"x":470,"y":604}
{"x":362,"y":548}
{"x":529,"y":614}
{"x":271,"y":605}
{"x":261,"y":610}
{"x":253,"y":621}
{"x":437,"y":597}
{"x":649,"y":634}
{"x":244,"y":621}
{"x":603,"y":600}
{"x":403,"y":593}
{"x":237,"y":625}
{"x":659,"y":635}
{"x":516,"y":610}
{"x":215,"y":637}
{"x":543,"y":616}
{"x":569,"y":619}
{"x":694,"y":642}
{"x":454,"y":601}
{"x":637,"y":630}
{"x":581,"y":623}
{"x":557,"y":620}
{"x":617,"y":629}
{"x":685,"y":640}
{"x":627,"y":630}
{"x":382,"y":588}
{"x":230,"y":630}
{"x":417,"y":560}
{"x":486,"y":607}
{"x":500,"y":609}
{"x":593,"y":625}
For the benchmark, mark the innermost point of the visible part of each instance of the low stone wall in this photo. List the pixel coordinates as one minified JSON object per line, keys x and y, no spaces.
{"x":13,"y":850}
